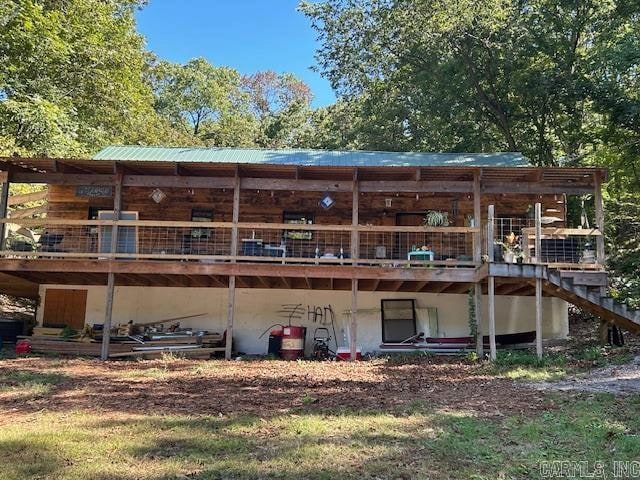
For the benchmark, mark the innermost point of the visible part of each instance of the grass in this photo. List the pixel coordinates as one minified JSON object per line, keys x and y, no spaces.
{"x":525,"y":365}
{"x":27,"y":383}
{"x":417,"y":443}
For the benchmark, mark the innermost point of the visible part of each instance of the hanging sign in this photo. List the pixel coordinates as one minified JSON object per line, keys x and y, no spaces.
{"x":94,"y":191}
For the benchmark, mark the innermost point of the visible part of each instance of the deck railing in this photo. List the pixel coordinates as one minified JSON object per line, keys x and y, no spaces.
{"x":515,"y":241}
{"x":392,"y":246}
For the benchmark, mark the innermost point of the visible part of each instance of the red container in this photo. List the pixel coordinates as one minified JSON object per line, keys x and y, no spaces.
{"x":293,"y":342}
{"x":344,"y":353}
{"x":22,"y":347}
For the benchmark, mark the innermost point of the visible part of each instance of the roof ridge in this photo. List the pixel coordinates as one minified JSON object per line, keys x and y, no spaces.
{"x":320,"y":150}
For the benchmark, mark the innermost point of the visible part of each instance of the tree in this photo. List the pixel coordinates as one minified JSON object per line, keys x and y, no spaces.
{"x":71,"y":77}
{"x":201,"y":100}
{"x":281,"y":104}
{"x":491,"y":74}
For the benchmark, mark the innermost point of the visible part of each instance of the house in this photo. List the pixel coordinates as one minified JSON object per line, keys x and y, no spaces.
{"x":390,"y":244}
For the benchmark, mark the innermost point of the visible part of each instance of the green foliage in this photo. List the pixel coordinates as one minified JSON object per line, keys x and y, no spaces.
{"x":623,"y":247}
{"x":70,"y":77}
{"x":471,"y":304}
{"x":201,"y":100}
{"x":483,"y":75}
{"x":75,"y":77}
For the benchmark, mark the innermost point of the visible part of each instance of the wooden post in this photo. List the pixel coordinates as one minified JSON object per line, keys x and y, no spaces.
{"x":235,"y":218}
{"x":232,"y":279}
{"x":477,"y":218}
{"x":490,"y":232}
{"x":491,"y":281}
{"x":108,"y":313}
{"x":230,"y":314}
{"x":355,"y":234}
{"x":539,"y":317}
{"x":353,"y":328}
{"x":599,"y":210}
{"x":478,"y":308}
{"x":4,"y":204}
{"x":538,"y":239}
{"x":491,"y":285}
{"x":117,"y":209}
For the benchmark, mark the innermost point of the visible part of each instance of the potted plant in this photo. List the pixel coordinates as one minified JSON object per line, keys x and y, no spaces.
{"x":512,"y":250}
{"x":436,"y":218}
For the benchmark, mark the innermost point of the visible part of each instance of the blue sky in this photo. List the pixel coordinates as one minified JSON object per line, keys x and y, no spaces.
{"x":249,"y":35}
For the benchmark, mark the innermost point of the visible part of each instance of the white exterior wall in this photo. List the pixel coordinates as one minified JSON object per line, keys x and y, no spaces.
{"x":257,"y":309}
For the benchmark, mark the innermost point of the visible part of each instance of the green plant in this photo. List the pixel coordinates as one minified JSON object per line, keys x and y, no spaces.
{"x":308,"y":399}
{"x":436,"y":218}
{"x":473,"y":322}
{"x":68,"y":332}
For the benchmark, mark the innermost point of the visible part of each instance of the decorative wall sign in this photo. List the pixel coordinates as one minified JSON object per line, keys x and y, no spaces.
{"x":158,"y":195}
{"x":327,"y":201}
{"x":94,"y":191}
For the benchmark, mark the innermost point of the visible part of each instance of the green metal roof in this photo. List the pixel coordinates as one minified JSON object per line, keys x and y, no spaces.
{"x":329,"y":158}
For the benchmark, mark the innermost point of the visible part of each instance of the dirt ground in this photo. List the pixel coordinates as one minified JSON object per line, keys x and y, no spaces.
{"x":618,"y":379}
{"x":264,"y":387}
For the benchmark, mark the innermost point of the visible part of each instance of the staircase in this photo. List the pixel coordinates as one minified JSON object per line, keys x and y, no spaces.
{"x":582,"y":289}
{"x":592,"y":301}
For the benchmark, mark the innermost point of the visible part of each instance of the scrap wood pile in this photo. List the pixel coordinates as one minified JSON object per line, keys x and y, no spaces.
{"x":147,"y":340}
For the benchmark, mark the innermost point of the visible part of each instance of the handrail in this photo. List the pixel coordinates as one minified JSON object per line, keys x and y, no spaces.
{"x":587,"y":232}
{"x":245,"y":226}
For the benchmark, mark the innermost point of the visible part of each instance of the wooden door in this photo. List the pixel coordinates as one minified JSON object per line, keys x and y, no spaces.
{"x":64,"y":307}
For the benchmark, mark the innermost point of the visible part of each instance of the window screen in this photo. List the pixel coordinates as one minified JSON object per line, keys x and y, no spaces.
{"x":398,"y":320}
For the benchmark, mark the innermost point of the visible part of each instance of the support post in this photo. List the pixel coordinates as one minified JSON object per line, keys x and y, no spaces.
{"x":539,"y":317}
{"x":108,"y":314}
{"x":599,"y":211}
{"x":230,"y":314}
{"x":478,"y":309}
{"x":477,"y":218}
{"x":117,"y":209}
{"x":4,"y":204}
{"x":353,"y":327}
{"x":490,"y":232}
{"x":491,"y":284}
{"x":232,"y":279}
{"x":355,"y":234}
{"x":538,"y":239}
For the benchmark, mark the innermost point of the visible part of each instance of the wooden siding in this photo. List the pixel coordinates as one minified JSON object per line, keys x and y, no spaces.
{"x":267,"y":206}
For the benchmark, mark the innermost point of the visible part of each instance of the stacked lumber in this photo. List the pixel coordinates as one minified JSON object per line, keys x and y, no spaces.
{"x":148,"y":340}
{"x":44,"y":344}
{"x":47,"y":331}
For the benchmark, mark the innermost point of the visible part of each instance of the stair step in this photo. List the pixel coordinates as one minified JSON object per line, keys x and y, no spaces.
{"x":594,"y":297}
{"x":581,"y":291}
{"x":607,"y":302}
{"x":620,"y":309}
{"x":566,"y":284}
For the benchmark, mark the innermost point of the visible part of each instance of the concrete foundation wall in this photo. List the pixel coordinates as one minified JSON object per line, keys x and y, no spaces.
{"x":257,"y":309}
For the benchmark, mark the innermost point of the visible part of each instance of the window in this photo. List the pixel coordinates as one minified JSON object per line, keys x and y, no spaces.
{"x":201,"y":215}
{"x":93,"y":213}
{"x":298,"y":219}
{"x":398,"y":320}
